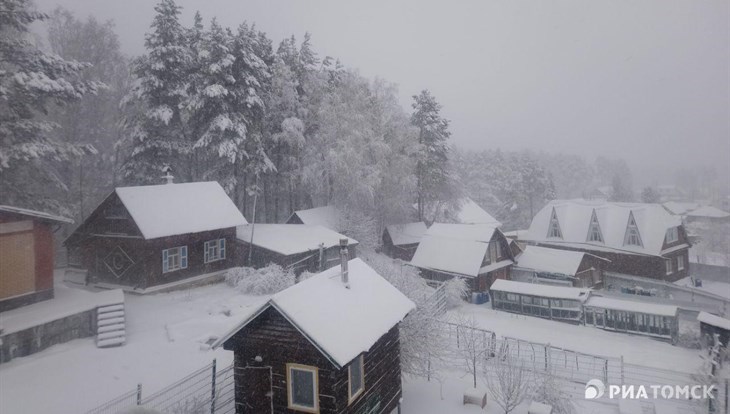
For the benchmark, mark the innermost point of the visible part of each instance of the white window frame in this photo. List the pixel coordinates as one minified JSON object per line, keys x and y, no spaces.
{"x":353,"y":396}
{"x":315,"y":387}
{"x":218,"y":246}
{"x":674,"y":233}
{"x":554,"y":231}
{"x":169,"y":254}
{"x":499,"y":249}
{"x":680,"y":263}
{"x":668,"y":266}
{"x":632,"y":237}
{"x":595,"y":229}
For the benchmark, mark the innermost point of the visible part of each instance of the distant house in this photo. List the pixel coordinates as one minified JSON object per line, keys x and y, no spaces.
{"x":479,"y":253}
{"x":708,"y":215}
{"x":558,"y":267}
{"x":550,"y":302}
{"x":711,"y":325}
{"x":297,"y":247}
{"x":329,"y":344}
{"x":463,"y":211}
{"x":400,"y":241}
{"x":26,"y":255}
{"x":679,"y":208}
{"x":669,"y":192}
{"x":602,"y":193}
{"x":153,"y":235}
{"x":638,"y":239}
{"x":326,"y":216}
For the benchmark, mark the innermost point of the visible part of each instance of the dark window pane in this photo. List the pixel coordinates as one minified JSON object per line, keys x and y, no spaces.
{"x":302,"y":386}
{"x":356,"y":376}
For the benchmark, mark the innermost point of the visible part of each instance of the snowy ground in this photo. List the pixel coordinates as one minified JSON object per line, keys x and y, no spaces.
{"x":166,"y":336}
{"x":635,"y":349}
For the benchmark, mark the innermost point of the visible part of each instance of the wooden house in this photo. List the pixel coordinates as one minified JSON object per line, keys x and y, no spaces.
{"x":461,"y":211}
{"x":637,"y":317}
{"x":544,"y":301}
{"x":328,"y":344}
{"x":479,"y":253}
{"x":638,"y":239}
{"x":708,"y":215}
{"x":558,"y":267}
{"x":326,"y":216}
{"x":299,"y":247}
{"x":26,"y":255}
{"x":711,"y":325}
{"x":154,"y":235}
{"x":400,"y":241}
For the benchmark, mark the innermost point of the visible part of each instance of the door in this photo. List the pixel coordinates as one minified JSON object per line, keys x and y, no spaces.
{"x":17,"y":270}
{"x":255,"y":392}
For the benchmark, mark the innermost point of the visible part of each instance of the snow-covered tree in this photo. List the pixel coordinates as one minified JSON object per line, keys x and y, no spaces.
{"x":547,"y":388}
{"x":650,"y":195}
{"x":31,"y":81}
{"x":508,"y":381}
{"x":156,"y":129}
{"x":473,"y":346}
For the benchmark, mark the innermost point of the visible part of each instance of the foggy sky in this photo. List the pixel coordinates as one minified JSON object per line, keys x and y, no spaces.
{"x":646,"y":80}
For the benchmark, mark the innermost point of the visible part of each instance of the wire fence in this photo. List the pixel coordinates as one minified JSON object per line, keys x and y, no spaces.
{"x":208,"y":390}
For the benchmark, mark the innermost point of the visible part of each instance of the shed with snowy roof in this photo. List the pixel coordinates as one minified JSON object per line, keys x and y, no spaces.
{"x":325,"y":216}
{"x":638,"y":239}
{"x":26,"y":255}
{"x":153,"y":235}
{"x":478,"y":253}
{"x":298,"y":247}
{"x":633,"y":315}
{"x":711,"y":325}
{"x":558,"y":267}
{"x":400,"y":241}
{"x":551,"y":302}
{"x":328,"y":344}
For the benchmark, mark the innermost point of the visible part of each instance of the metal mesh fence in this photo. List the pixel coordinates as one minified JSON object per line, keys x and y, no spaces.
{"x":124,"y":401}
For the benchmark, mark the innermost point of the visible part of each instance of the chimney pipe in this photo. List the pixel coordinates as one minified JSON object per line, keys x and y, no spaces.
{"x":344,"y":256}
{"x":168,"y":174}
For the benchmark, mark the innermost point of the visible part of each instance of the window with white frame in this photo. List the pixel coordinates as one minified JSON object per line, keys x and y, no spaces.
{"x":672,"y":235}
{"x":680,"y":262}
{"x":302,"y":388}
{"x":498,"y":247}
{"x":668,"y":263}
{"x":594,"y":232}
{"x":356,"y":378}
{"x":632,"y":237}
{"x":214,"y":250}
{"x":175,"y":258}
{"x":554,"y":230}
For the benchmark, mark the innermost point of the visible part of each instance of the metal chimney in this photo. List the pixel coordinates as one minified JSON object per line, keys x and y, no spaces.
{"x":344,"y":256}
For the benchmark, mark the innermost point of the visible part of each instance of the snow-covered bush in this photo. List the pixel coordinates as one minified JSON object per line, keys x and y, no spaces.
{"x":456,"y":291}
{"x":264,"y":281}
{"x":549,"y":389}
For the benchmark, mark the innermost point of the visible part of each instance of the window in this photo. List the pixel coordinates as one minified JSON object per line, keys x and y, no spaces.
{"x":594,"y":232}
{"x":174,"y":259}
{"x":356,"y":381}
{"x":302,"y":388}
{"x":554,"y":230}
{"x":680,"y":262}
{"x":672,"y":235}
{"x":668,"y":263}
{"x":214,"y":250}
{"x":632,"y":237}
{"x":498,"y":247}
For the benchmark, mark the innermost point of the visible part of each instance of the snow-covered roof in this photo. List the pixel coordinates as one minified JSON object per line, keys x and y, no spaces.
{"x":543,"y":259}
{"x":172,"y":209}
{"x":463,"y":211}
{"x":341,"y":322}
{"x":288,"y":239}
{"x":574,"y":218}
{"x":515,"y":234}
{"x":708,"y":212}
{"x":680,"y":208}
{"x":454,"y":248}
{"x":535,"y":289}
{"x":604,"y":302}
{"x":713,"y":320}
{"x":326,"y":216}
{"x":409,"y":233}
{"x":41,"y":215}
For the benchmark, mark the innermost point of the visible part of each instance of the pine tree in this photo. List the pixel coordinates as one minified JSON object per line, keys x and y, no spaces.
{"x":156,"y":128}
{"x":432,"y":167}
{"x":32,"y":81}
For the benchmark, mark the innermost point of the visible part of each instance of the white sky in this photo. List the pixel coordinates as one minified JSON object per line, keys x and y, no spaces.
{"x":646,"y":80}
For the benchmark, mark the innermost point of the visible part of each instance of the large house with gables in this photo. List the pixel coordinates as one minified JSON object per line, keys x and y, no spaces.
{"x":636,"y":239}
{"x":146,"y":236}
{"x":328,"y":344}
{"x":479,"y":253}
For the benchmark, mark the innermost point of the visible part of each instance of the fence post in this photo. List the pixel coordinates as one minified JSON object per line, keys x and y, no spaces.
{"x":622,"y":370}
{"x":546,"y":356}
{"x":139,"y":394}
{"x":726,"y":397}
{"x":212,"y":389}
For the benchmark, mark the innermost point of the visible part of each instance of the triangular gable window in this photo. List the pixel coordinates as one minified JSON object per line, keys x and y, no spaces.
{"x":632,"y":237}
{"x":594,"y":232}
{"x":554,"y":230}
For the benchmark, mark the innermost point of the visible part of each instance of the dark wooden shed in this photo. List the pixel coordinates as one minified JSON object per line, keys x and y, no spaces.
{"x":154,"y":235}
{"x":328,"y":344}
{"x":400,"y":241}
{"x":26,"y":255}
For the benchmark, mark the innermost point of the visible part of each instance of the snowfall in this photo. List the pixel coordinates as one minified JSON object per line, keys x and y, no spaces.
{"x":168,"y":336}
